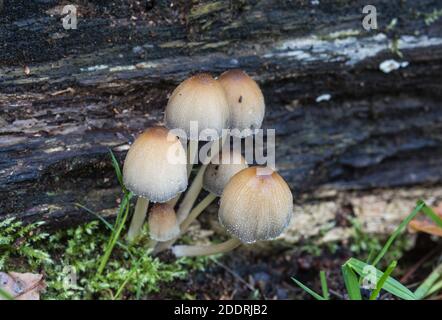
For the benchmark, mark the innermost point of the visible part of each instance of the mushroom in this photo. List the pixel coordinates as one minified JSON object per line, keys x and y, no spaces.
{"x":218,"y":173}
{"x":215,"y":178}
{"x":155,"y":170}
{"x":256,"y":204}
{"x":163,"y":225}
{"x":245,"y":99}
{"x":200,"y":99}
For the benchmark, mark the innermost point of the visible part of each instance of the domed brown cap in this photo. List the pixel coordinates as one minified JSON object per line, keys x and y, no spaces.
{"x":155,"y":166}
{"x":245,"y":99}
{"x":199,"y":98}
{"x":217,"y":175}
{"x":163,"y":225}
{"x":256,"y":204}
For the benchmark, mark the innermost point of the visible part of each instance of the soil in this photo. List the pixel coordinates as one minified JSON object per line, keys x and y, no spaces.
{"x":246,"y":274}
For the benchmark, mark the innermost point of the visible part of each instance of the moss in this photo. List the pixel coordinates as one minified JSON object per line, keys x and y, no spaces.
{"x":364,"y":245}
{"x":340,"y":35}
{"x":206,"y":9}
{"x":69,"y":259}
{"x":394,"y":47}
{"x":431,"y":17}
{"x":21,"y":242}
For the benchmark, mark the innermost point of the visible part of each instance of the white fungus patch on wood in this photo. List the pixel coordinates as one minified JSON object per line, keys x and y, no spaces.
{"x":323,"y":97}
{"x":350,"y":50}
{"x":390,"y":65}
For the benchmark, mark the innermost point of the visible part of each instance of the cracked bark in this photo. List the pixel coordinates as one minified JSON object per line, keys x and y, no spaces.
{"x":96,"y":87}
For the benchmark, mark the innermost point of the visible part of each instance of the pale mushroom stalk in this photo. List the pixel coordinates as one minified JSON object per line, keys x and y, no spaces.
{"x":138,"y":219}
{"x":174,"y":201}
{"x":193,"y":145}
{"x":197,"y":211}
{"x":197,"y":184}
{"x":191,"y":195}
{"x":194,"y":251}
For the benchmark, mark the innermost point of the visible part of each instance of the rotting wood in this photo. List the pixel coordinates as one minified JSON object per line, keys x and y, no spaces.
{"x":94,"y":88}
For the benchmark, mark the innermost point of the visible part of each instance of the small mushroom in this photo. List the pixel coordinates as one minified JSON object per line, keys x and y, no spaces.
{"x":256,"y":204}
{"x":217,"y":175}
{"x":163,"y":225}
{"x":245,"y":99}
{"x":155,"y":170}
{"x":199,"y":98}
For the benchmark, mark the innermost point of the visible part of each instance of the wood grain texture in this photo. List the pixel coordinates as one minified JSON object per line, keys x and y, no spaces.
{"x":96,"y":87}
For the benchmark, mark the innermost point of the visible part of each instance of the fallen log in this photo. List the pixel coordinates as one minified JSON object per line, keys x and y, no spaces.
{"x":343,"y":121}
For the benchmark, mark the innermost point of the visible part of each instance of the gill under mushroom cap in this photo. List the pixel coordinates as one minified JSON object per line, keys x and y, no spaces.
{"x":163,"y":224}
{"x":155,"y":166}
{"x":217,"y":175}
{"x":256,"y":204}
{"x":199,"y":99}
{"x":245,"y":99}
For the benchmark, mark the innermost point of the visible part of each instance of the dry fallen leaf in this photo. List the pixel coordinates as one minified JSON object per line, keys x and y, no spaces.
{"x":427,"y":226}
{"x":22,"y":286}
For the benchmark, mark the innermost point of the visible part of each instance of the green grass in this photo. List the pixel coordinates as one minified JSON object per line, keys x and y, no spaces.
{"x":355,"y":272}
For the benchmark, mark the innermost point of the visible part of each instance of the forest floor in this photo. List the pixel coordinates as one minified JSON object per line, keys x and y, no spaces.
{"x":248,"y":274}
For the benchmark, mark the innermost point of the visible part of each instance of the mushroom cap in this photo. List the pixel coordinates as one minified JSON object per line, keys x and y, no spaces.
{"x":155,"y":166}
{"x":256,"y":204}
{"x":163,"y":224}
{"x":217,"y":175}
{"x":202,"y":99}
{"x":246,"y":101}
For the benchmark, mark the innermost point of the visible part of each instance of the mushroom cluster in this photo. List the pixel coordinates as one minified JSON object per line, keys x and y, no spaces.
{"x":255,"y":202}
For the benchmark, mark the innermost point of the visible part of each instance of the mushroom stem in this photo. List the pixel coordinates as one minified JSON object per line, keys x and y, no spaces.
{"x":191,"y":195}
{"x":186,"y":223}
{"x":197,"y":211}
{"x":197,"y":184}
{"x":193,"y":145}
{"x":191,"y":148}
{"x":193,"y":251}
{"x":138,"y":219}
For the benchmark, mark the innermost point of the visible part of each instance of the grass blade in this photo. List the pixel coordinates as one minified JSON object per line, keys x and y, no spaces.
{"x":117,"y":169}
{"x":395,"y":234}
{"x":382,"y":280}
{"x":424,"y":289}
{"x":5,"y":295}
{"x":124,"y":207}
{"x":104,"y":221}
{"x":432,"y":215}
{"x":351,"y":283}
{"x":434,"y":289}
{"x":308,"y":290}
{"x":391,"y":285}
{"x":123,"y":285}
{"x":324,"y":285}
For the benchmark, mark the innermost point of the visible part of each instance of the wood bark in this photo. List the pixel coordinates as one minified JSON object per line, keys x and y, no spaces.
{"x":68,"y":96}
